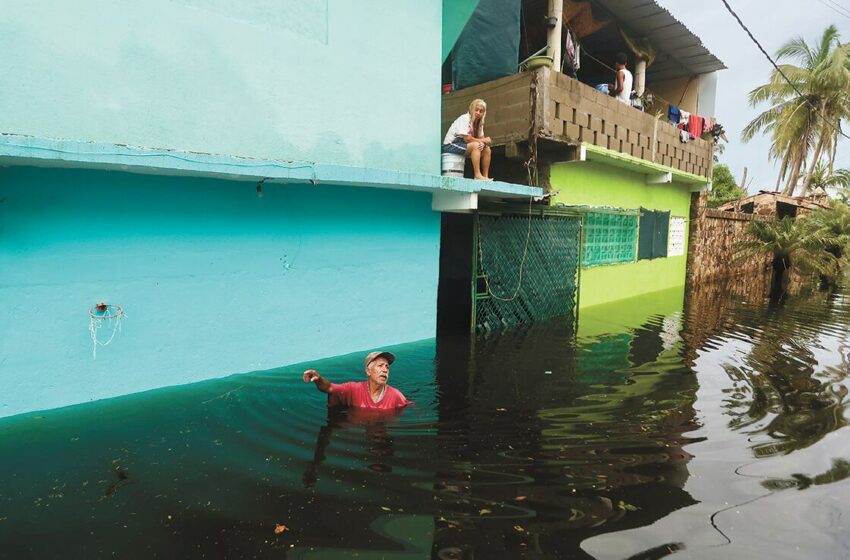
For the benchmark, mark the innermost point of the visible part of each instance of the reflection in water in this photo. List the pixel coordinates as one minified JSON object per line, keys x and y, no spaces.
{"x":655,"y":427}
{"x":374,"y":424}
{"x":562,"y":442}
{"x":781,"y":387}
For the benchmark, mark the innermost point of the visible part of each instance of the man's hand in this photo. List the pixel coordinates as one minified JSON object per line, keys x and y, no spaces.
{"x":322,"y":384}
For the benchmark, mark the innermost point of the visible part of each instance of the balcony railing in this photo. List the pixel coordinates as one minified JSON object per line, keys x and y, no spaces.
{"x":543,"y":104}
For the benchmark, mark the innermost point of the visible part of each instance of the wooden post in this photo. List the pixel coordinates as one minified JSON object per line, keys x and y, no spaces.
{"x":553,"y":35}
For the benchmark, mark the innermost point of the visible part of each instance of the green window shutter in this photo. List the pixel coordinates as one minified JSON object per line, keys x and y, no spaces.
{"x":654,"y":230}
{"x":662,"y":227}
{"x":646,"y":233}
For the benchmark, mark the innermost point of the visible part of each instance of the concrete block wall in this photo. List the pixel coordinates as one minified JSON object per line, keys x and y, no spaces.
{"x":576,"y":112}
{"x":572,"y":112}
{"x":508,"y":107}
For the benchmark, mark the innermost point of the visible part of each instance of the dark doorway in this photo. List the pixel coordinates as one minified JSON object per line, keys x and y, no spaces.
{"x":454,"y":293}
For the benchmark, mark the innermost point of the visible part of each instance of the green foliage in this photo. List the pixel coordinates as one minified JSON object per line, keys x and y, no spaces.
{"x":834,"y":225}
{"x":815,"y":243}
{"x":825,"y":178}
{"x":802,"y":127}
{"x":723,"y":187}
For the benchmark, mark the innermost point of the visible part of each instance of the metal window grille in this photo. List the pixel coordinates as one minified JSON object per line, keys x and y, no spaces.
{"x":545,"y":287}
{"x":609,"y":238}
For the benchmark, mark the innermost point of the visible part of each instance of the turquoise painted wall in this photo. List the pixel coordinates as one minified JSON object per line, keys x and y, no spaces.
{"x":597,"y":184}
{"x":214,"y":280}
{"x":333,"y":81}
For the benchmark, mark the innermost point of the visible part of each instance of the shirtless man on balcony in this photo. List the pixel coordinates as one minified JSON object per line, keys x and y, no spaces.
{"x":466,"y":137}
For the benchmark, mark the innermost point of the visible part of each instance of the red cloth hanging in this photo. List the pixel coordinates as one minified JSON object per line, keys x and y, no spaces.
{"x":696,"y":126}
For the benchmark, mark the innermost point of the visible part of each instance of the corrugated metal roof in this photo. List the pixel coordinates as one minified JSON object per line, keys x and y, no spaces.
{"x":680,"y":52}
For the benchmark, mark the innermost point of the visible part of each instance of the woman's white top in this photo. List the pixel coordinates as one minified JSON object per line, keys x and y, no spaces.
{"x":625,"y":94}
{"x":461,"y":127}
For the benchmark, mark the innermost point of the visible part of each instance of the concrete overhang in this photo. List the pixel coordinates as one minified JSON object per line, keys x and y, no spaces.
{"x":655,"y":173}
{"x":450,"y":194}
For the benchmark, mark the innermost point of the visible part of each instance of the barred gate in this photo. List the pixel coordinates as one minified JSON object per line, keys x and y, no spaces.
{"x":527,"y":269}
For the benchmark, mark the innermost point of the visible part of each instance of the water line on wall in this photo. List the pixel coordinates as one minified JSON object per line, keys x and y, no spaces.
{"x":265,"y":163}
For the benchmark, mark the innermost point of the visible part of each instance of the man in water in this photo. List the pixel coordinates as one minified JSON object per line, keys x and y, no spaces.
{"x":374,"y":393}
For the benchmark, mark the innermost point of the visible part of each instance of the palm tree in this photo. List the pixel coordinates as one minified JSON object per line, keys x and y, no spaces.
{"x":797,"y":123}
{"x":832,"y":228}
{"x":822,"y":177}
{"x":800,"y":243}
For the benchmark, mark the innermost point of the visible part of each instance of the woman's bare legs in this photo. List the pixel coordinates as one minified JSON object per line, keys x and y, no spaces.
{"x":473,"y":151}
{"x":485,"y":162}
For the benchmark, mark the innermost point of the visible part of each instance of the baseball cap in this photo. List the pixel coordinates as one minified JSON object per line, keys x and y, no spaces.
{"x":390,"y":357}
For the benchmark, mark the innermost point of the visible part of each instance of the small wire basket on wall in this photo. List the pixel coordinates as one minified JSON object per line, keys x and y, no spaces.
{"x":104,"y":317}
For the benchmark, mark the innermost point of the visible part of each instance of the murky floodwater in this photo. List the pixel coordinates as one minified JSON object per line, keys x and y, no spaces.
{"x":710,"y":429}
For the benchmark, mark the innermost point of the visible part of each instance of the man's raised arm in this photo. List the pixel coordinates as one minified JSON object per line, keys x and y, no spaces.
{"x":322,"y":384}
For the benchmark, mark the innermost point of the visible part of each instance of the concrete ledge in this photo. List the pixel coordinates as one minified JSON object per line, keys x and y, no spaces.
{"x":656,"y":173}
{"x":16,"y":150}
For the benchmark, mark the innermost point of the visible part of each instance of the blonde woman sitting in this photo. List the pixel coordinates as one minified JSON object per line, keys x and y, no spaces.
{"x":466,"y":137}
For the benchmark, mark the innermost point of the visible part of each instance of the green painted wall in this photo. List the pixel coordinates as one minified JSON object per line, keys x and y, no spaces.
{"x":627,"y":315}
{"x":595,"y":184}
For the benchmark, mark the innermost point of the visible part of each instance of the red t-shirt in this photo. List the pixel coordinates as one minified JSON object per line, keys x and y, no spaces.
{"x":356,"y":394}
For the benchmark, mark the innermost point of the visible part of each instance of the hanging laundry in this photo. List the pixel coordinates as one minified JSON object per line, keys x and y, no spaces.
{"x":684,"y":117}
{"x":673,"y":114}
{"x":572,"y":51}
{"x":684,"y":136}
{"x":696,"y":126}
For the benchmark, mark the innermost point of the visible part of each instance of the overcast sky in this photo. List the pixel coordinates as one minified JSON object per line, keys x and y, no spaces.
{"x":773,"y":22}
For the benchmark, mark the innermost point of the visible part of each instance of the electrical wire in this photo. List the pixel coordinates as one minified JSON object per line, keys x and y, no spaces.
{"x":836,"y":7}
{"x":781,"y":73}
{"x":521,"y":263}
{"x":835,"y":3}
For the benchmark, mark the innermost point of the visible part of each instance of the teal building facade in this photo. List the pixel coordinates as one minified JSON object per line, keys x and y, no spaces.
{"x":254,"y":184}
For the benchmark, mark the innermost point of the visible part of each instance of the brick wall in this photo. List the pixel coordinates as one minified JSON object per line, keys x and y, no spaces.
{"x":711,"y":245}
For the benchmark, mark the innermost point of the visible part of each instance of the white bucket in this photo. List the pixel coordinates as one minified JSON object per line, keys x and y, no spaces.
{"x":451,"y":165}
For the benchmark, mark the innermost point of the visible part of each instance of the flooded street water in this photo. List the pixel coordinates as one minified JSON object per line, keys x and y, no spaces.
{"x":706,"y":426}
